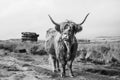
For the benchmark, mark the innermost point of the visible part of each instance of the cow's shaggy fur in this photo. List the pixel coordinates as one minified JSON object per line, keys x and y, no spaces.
{"x":61,"y":45}
{"x":58,"y":50}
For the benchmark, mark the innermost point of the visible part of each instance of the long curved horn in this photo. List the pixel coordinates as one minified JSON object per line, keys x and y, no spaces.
{"x":84,"y":19}
{"x":53,"y":21}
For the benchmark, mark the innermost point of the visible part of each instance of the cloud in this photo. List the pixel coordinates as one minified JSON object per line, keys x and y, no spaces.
{"x":17,"y":16}
{"x":20,"y":6}
{"x":22,"y":15}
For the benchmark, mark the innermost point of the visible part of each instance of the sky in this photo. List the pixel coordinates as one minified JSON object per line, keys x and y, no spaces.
{"x":18,"y":16}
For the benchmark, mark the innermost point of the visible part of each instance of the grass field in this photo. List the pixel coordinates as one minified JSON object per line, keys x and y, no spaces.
{"x":29,"y":60}
{"x":106,"y":52}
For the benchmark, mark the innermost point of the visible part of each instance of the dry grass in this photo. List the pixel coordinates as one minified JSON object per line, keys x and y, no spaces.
{"x":105,"y":52}
{"x":30,"y":47}
{"x":20,"y":66}
{"x":100,"y":52}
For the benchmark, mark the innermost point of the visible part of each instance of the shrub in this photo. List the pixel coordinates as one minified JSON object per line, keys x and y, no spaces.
{"x":103,"y":52}
{"x":8,"y":46}
{"x":38,"y":50}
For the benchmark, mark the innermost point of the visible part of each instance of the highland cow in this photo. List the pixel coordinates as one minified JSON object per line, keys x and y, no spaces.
{"x":61,"y":44}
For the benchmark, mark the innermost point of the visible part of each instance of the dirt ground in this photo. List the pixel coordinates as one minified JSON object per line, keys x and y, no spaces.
{"x":34,"y":67}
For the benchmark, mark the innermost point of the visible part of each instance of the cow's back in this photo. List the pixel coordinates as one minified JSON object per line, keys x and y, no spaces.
{"x":50,"y":41}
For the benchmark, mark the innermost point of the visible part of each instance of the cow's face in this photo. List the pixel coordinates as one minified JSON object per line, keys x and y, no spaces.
{"x":68,"y":30}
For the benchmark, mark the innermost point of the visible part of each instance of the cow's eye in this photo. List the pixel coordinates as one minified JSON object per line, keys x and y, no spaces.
{"x":73,"y":27}
{"x":65,"y":34}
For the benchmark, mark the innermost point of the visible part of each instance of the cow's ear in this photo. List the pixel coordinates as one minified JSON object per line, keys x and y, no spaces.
{"x":57,"y":28}
{"x":78,"y":28}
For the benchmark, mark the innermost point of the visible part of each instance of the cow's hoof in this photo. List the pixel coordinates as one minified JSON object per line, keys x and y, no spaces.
{"x":71,"y":75}
{"x":54,"y":71}
{"x":58,"y":70}
{"x":62,"y":75}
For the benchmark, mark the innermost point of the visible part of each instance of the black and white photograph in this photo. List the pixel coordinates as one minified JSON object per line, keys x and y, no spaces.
{"x":59,"y":39}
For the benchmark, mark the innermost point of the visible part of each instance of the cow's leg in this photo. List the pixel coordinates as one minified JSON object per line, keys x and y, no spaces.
{"x":69,"y":64}
{"x":57,"y":63}
{"x":53,"y":62}
{"x":63,"y":64}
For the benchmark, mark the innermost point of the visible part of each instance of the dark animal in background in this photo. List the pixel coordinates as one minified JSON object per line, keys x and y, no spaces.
{"x":61,"y":44}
